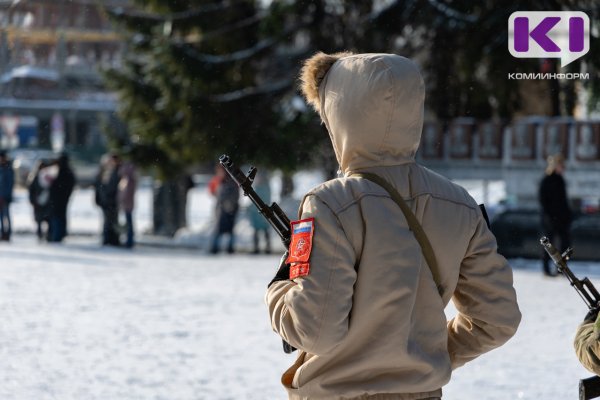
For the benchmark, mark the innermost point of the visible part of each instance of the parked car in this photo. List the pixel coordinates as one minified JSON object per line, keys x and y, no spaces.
{"x":518,"y":233}
{"x":586,"y":237}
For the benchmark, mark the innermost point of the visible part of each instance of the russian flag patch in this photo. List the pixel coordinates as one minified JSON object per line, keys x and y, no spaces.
{"x":300,"y":247}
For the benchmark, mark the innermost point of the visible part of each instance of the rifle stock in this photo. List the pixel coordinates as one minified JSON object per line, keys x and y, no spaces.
{"x":589,"y":388}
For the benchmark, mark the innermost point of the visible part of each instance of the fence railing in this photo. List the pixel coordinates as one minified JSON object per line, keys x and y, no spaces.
{"x":529,"y":140}
{"x":515,"y":153}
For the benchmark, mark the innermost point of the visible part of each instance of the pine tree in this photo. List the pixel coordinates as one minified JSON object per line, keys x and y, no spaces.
{"x":203,"y":78}
{"x":189,"y":88}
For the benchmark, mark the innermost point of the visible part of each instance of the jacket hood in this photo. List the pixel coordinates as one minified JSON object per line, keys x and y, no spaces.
{"x":372,"y":105}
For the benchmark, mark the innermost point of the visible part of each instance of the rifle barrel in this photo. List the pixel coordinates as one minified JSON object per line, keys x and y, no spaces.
{"x":584,"y":287}
{"x":273,"y":214}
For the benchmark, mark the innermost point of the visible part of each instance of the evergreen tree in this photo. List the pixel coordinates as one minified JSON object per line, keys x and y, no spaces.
{"x":197,"y":83}
{"x":464,"y":48}
{"x":202,"y":78}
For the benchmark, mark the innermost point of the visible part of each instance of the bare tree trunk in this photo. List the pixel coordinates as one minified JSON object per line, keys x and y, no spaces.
{"x":287,"y":185}
{"x":170,"y":205}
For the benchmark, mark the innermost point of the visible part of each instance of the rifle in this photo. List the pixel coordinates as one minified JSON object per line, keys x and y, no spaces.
{"x":273,"y":213}
{"x":588,"y":388}
{"x":584,"y":287}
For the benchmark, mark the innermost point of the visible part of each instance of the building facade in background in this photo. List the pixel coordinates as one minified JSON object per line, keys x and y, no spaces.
{"x":51,"y":55}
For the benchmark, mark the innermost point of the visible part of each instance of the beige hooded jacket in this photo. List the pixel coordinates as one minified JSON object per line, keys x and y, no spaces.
{"x":368,"y":319}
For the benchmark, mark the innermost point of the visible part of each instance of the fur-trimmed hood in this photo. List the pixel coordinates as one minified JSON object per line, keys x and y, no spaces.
{"x":372,"y":105}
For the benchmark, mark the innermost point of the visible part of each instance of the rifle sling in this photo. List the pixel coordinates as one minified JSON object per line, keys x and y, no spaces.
{"x":413,"y":224}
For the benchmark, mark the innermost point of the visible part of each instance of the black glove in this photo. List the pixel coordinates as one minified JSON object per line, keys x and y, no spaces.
{"x":591,"y":316}
{"x":283,"y":273}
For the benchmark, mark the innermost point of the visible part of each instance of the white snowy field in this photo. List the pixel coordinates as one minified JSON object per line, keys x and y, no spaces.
{"x":84,"y":322}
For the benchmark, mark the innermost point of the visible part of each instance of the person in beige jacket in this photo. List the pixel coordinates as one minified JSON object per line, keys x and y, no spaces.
{"x":359,"y":301}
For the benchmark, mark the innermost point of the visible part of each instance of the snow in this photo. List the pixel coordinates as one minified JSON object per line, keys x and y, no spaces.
{"x":84,"y":322}
{"x":80,"y":321}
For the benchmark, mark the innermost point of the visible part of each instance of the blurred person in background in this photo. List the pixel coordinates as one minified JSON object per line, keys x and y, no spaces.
{"x":215,"y":181}
{"x":259,"y":223}
{"x":38,"y":185}
{"x":227,"y":195}
{"x":7,"y":181}
{"x":106,"y":186}
{"x":126,"y":197}
{"x":556,"y":213}
{"x":60,"y":193}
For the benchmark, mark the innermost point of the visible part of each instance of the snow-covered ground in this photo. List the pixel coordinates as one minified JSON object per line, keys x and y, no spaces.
{"x":84,"y":322}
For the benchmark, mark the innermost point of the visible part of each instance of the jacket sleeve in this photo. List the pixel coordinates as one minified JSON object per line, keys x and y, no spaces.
{"x":312,"y":312}
{"x":587,"y":346}
{"x":488,"y":314}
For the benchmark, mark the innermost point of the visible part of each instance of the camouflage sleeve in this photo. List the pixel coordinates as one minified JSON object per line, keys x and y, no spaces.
{"x":587,"y":345}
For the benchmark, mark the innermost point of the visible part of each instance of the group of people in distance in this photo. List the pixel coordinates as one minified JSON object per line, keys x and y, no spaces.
{"x":50,"y":185}
{"x":115,"y":186}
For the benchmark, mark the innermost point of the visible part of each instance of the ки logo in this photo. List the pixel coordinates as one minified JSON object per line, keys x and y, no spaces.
{"x":549,"y":34}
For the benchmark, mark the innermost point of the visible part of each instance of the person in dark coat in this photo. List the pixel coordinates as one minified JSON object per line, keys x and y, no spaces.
{"x":556,"y":212}
{"x":38,"y":185}
{"x":7,"y":181}
{"x":106,"y":186}
{"x":228,"y":194}
{"x":60,"y":193}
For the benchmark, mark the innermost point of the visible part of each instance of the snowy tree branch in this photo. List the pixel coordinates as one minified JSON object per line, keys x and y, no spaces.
{"x":273,"y":87}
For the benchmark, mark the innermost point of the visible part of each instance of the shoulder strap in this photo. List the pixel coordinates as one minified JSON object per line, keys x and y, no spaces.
{"x":413,"y":223}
